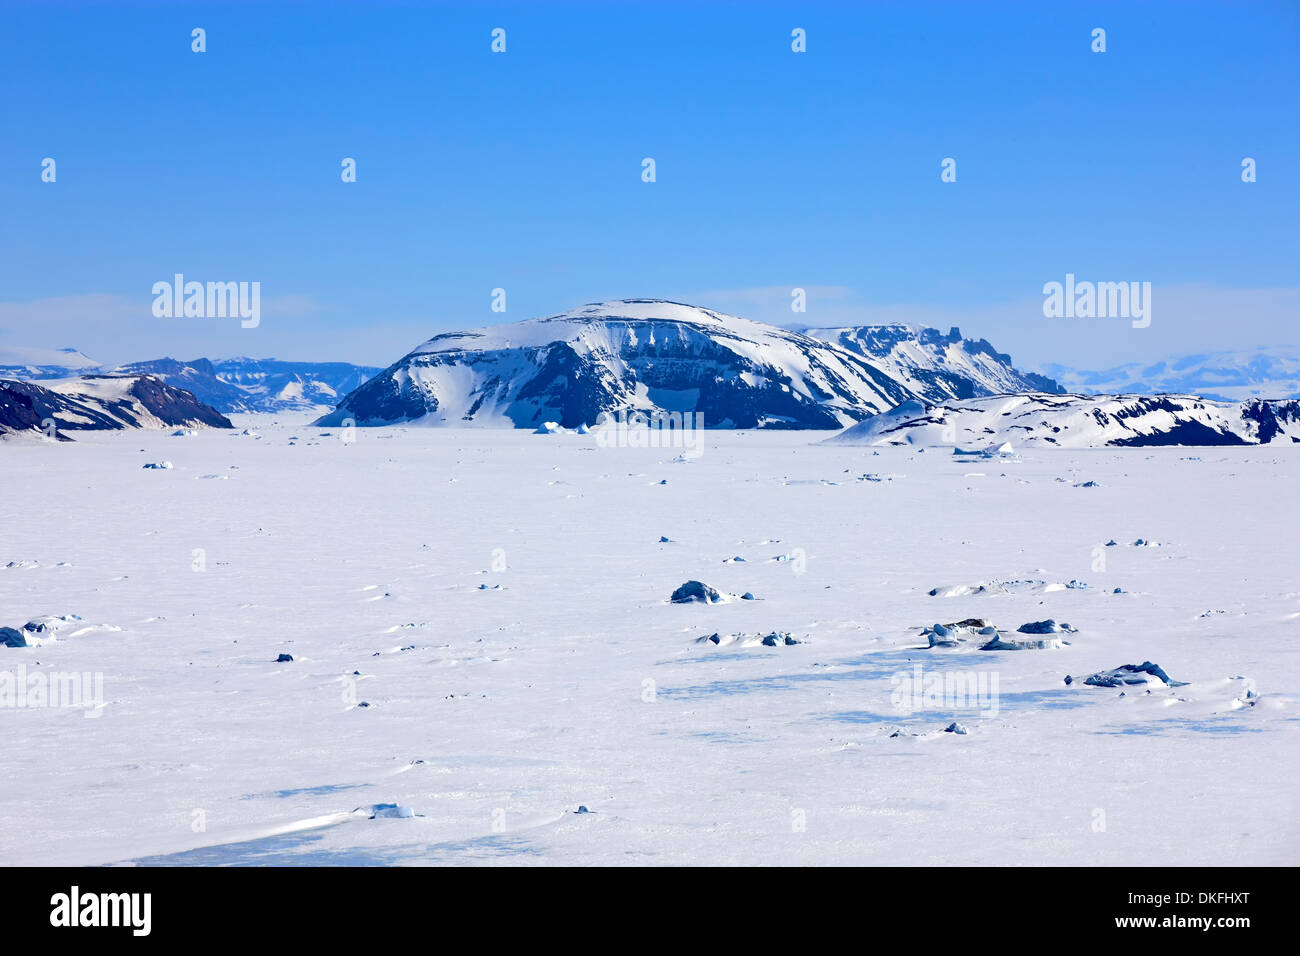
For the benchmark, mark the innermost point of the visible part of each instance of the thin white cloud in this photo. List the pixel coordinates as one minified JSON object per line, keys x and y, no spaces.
{"x":117,"y":329}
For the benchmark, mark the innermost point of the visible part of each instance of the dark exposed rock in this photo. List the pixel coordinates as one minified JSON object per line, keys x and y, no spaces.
{"x":695,"y":591}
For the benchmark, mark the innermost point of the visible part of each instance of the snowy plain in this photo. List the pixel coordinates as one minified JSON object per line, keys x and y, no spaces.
{"x":499,"y":600}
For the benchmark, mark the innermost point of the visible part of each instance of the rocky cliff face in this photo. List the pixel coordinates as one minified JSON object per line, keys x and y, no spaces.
{"x":935,"y":366}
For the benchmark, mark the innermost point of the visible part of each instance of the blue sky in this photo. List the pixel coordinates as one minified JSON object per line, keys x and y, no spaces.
{"x":522,"y":170}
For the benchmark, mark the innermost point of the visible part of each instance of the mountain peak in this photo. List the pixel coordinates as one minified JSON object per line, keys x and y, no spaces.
{"x":658,"y":310}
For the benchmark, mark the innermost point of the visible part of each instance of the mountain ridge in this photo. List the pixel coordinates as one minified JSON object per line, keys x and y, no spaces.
{"x":936,"y":365}
{"x":1265,"y":372}
{"x":230,"y":385}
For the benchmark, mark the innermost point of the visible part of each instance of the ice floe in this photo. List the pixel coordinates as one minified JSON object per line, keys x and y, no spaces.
{"x":45,"y":630}
{"x":995,"y":586}
{"x":1145,"y":674}
{"x":977,"y":631}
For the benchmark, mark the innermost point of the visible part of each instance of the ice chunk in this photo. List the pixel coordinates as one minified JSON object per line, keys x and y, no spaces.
{"x":951,"y":635}
{"x":1045,"y":627}
{"x":1132,"y":675}
{"x":1000,"y":643}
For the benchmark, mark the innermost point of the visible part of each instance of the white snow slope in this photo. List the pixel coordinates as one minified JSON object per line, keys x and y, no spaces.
{"x":499,"y":599}
{"x":1075,"y":421}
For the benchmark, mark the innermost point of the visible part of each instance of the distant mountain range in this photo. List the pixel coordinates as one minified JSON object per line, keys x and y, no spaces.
{"x":655,"y":355}
{"x":260,"y":385}
{"x":1272,"y":373}
{"x":902,"y":384}
{"x":228,"y":385}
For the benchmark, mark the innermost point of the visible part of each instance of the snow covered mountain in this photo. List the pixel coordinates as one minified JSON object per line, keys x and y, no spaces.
{"x":937,"y":366}
{"x":1079,"y":421}
{"x":652,"y":354}
{"x":643,"y":354}
{"x":259,"y":385}
{"x":35,"y":364}
{"x":99,"y":403}
{"x":1225,"y":376}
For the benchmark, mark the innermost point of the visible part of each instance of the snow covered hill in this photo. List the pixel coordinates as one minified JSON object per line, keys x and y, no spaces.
{"x":655,"y":355}
{"x":35,"y":364}
{"x":101,"y":403}
{"x":1077,"y":421}
{"x":937,"y":366}
{"x":1225,"y":376}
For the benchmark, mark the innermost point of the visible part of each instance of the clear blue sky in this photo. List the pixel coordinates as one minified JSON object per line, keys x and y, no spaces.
{"x":523,"y":170}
